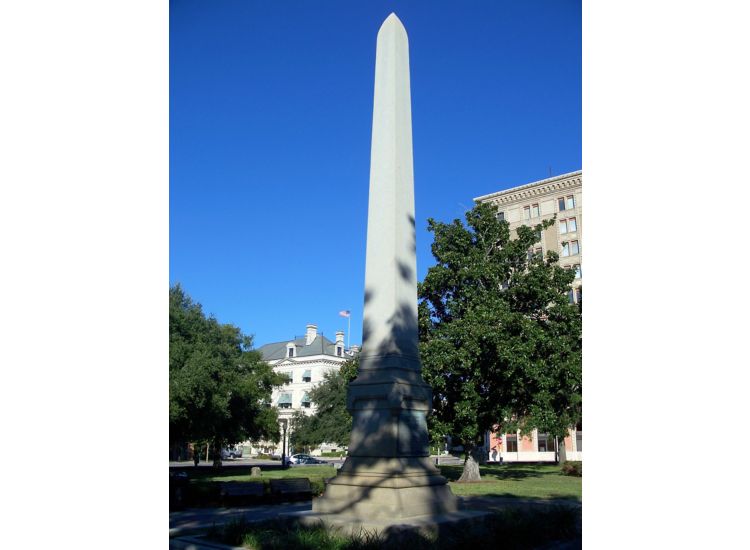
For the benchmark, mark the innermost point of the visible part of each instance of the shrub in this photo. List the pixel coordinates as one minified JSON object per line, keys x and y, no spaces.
{"x":573,"y":468}
{"x":333,"y":454}
{"x":317,"y":485}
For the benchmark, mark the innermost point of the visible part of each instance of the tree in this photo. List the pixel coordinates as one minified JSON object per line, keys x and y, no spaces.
{"x":219,"y":388}
{"x":499,"y":341}
{"x":331,"y":421}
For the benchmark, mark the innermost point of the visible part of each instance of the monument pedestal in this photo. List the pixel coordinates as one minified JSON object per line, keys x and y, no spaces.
{"x":426,"y":525}
{"x":380,"y":490}
{"x":388,"y":473}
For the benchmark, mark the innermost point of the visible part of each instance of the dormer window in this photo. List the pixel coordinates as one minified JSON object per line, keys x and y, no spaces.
{"x":291,"y":350}
{"x":339,"y":351}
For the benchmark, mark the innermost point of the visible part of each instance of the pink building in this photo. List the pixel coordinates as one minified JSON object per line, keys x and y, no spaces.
{"x":513,"y":447}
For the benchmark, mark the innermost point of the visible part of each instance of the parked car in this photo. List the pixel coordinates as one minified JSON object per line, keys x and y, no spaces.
{"x":231,"y":452}
{"x":310,"y":460}
{"x":295,"y":459}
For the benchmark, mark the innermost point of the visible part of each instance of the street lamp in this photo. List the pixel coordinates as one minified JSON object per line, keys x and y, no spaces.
{"x":284,"y":423}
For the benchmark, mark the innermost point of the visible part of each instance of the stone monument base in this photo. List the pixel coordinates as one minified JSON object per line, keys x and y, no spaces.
{"x":426,"y":525}
{"x":379,"y":488}
{"x":385,"y":503}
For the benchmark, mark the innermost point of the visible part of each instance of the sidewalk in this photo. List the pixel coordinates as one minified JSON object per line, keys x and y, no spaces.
{"x":198,"y":520}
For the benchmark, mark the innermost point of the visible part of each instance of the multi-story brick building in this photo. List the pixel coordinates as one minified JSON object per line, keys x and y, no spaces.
{"x":529,"y":204}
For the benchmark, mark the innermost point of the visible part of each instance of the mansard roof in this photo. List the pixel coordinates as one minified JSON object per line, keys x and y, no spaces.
{"x":320,"y":346}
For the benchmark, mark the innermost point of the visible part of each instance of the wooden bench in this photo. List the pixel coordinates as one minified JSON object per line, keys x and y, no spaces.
{"x":235,"y":490}
{"x":291,"y":488}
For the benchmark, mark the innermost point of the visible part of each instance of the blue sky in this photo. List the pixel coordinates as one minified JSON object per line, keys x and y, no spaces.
{"x":270,"y":121}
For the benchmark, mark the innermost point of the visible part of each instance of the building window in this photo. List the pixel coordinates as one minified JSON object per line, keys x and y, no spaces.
{"x":307,"y":376}
{"x":288,"y":376}
{"x":285,"y":401}
{"x":579,"y":295}
{"x":578,"y":271}
{"x":563,"y":226}
{"x":538,"y":252}
{"x":573,"y":248}
{"x":565,"y":249}
{"x":566,"y":203}
{"x":305,"y":401}
{"x":572,"y":224}
{"x":545,"y":443}
{"x":290,"y":352}
{"x":571,"y":297}
{"x":526,"y":213}
{"x":511,"y":443}
{"x":339,"y":351}
{"x":535,"y":210}
{"x":501,"y":216}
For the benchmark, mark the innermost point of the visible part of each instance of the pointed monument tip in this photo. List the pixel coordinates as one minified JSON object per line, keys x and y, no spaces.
{"x":392,"y":21}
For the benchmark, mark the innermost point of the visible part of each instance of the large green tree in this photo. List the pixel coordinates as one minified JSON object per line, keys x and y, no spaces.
{"x":219,"y":388}
{"x":500,"y":342}
{"x":331,"y":422}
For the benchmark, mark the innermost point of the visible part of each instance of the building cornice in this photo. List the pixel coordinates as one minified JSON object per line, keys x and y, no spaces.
{"x":534,"y":189}
{"x":286,"y":363}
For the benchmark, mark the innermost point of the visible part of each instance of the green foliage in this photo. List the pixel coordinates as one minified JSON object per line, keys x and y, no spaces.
{"x":499,"y":342}
{"x":331,"y":422}
{"x":219,"y":388}
{"x":572,"y":468}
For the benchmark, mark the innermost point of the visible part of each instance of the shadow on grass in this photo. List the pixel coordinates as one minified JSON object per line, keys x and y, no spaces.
{"x":516,"y":528}
{"x":572,"y":499}
{"x":501,"y":472}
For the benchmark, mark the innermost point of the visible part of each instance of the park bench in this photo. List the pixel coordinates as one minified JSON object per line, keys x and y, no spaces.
{"x":291,"y":488}
{"x":233,"y":491}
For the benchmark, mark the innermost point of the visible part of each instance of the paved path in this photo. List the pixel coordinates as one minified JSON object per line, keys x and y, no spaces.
{"x":198,"y":520}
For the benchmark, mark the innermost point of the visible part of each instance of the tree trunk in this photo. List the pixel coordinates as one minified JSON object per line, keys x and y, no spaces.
{"x":471,"y":466}
{"x":562,"y":454}
{"x":217,"y":453}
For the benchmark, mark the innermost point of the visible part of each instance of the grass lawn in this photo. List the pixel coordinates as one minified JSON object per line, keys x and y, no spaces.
{"x":517,"y":480}
{"x":540,"y":481}
{"x":310,"y":472}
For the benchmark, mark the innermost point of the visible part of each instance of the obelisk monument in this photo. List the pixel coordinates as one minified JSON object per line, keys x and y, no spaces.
{"x":388,"y":475}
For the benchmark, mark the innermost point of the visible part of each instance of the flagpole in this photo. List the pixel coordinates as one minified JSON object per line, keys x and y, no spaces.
{"x":349,"y":331}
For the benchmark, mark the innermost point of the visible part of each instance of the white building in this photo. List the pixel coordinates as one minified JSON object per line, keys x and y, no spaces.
{"x":304,"y":360}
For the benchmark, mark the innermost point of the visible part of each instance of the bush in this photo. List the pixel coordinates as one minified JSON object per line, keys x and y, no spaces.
{"x":317,"y":486}
{"x":573,"y":468}
{"x":333,"y":454}
{"x":263,"y":456}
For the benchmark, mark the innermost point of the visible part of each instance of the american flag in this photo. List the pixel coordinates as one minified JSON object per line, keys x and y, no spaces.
{"x":345,"y":313}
